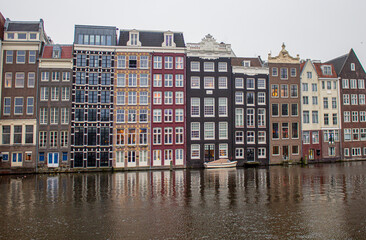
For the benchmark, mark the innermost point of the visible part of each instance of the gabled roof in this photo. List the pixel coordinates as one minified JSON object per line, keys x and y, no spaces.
{"x":338,"y":63}
{"x":254,"y":61}
{"x":151,"y":38}
{"x":318,"y":68}
{"x":66,"y":51}
{"x":23,"y":26}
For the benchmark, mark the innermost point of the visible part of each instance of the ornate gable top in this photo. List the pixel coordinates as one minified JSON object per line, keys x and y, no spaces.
{"x":283,"y":57}
{"x":209,"y":47}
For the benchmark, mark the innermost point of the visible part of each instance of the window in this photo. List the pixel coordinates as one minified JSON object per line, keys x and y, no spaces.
{"x":54,"y":115}
{"x":131,"y":136}
{"x":168,"y":62}
{"x":179,"y":115}
{"x":306,"y":137}
{"x":346,"y":99}
{"x":17,"y":135}
{"x":93,"y":78}
{"x":293,"y":72}
{"x":250,"y":83}
{"x":42,"y":139}
{"x":157,"y":115}
{"x":168,"y":98}
{"x":250,"y":98}
{"x":55,"y":93}
{"x":64,"y":116}
{"x":295,"y":130}
{"x":261,"y":98}
{"x":261,"y":83}
{"x":354,"y":116}
{"x":168,"y":115}
{"x":120,"y":138}
{"x":208,"y":67}
{"x":223,"y":130}
{"x":315,"y":100}
{"x":31,"y":79}
{"x":209,"y":130}
{"x":250,"y":117}
{"x":362,"y":116}
{"x":327,"y":70}
{"x":361,"y":84}
{"x":143,"y":116}
{"x":6,"y":135}
{"x":239,"y":98}
{"x":179,"y":80}
{"x":157,"y":80}
{"x":284,"y":73}
{"x":326,"y":119}
{"x":315,"y":117}
{"x":261,"y":137}
{"x":179,"y":63}
{"x":275,"y":131}
{"x":179,"y":137}
{"x":239,"y":83}
{"x":261,"y":117}
{"x":209,"y":83}
{"x":314,"y":87}
{"x":43,"y":112}
{"x":131,"y":117}
{"x":250,"y":137}
{"x":157,"y":62}
{"x":131,"y":155}
{"x":222,"y":82}
{"x":284,"y":109}
{"x":347,"y":116}
{"x":285,"y":131}
{"x":195,"y":107}
{"x":18,"y":105}
{"x":195,"y":131}
{"x":354,"y":99}
{"x":209,"y":107}
{"x":132,"y":61}
{"x":168,"y":80}
{"x":30,"y":105}
{"x":81,"y":60}
{"x":239,"y":117}
{"x":53,"y":138}
{"x":64,"y":139}
{"x":363,"y":134}
{"x":8,"y":79}
{"x":80,"y":78}
{"x":353,"y":83}
{"x":19,"y":80}
{"x":222,"y":67}
{"x":143,"y":98}
{"x":274,"y":90}
{"x":274,"y":72}
{"x":121,"y":61}
{"x":353,"y":67}
{"x":223,"y":150}
{"x":9,"y":57}
{"x":94,"y":61}
{"x":179,"y":98}
{"x":132,"y":80}
{"x":239,"y":137}
{"x":305,"y":100}
{"x":168,"y":135}
{"x":156,"y":136}
{"x":325,"y":102}
{"x":157,"y":98}
{"x":305,"y":87}
{"x":195,"y":151}
{"x":329,"y":85}
{"x":121,"y":96}
{"x":222,"y":107}
{"x":275,"y":111}
{"x":195,"y":66}
{"x":20,"y":56}
{"x":293,"y":91}
{"x":55,"y":76}
{"x":132,"y":98}
{"x":7,"y":105}
{"x":361,"y":99}
{"x":106,"y":61}
{"x":305,"y":116}
{"x":345,"y":83}
{"x":239,"y":152}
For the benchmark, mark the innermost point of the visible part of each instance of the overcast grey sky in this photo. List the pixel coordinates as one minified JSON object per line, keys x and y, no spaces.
{"x":315,"y":29}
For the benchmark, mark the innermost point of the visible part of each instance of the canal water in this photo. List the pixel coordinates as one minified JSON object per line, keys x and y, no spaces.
{"x":314,"y":202}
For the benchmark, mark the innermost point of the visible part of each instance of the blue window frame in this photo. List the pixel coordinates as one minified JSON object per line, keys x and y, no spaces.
{"x":41,"y":156}
{"x":64,"y":156}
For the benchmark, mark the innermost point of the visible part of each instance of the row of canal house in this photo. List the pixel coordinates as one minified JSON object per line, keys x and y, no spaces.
{"x":145,"y":99}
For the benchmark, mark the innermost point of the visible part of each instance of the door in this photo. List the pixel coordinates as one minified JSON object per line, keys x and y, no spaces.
{"x":209,"y":152}
{"x":17,"y":160}
{"x":250,"y":155}
{"x":311,"y":154}
{"x":52,"y":160}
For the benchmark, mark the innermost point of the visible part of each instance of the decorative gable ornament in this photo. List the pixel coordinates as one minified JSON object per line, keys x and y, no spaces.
{"x":283,"y":57}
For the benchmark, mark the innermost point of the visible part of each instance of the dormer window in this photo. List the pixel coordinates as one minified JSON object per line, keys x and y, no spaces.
{"x":246,"y":63}
{"x":327,"y":70}
{"x":134,"y":39}
{"x":353,"y":67}
{"x":56,"y":52}
{"x":22,"y":36}
{"x":10,"y":35}
{"x":33,"y":36}
{"x":168,"y":40}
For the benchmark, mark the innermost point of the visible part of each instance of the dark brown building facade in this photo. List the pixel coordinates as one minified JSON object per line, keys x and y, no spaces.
{"x":285,"y":118}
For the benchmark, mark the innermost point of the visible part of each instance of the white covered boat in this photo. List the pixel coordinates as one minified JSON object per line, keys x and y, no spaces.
{"x":221,"y":163}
